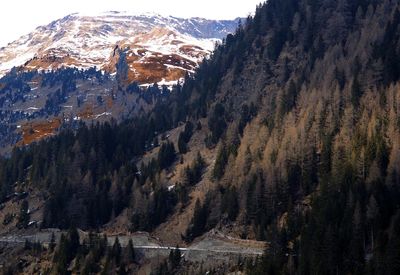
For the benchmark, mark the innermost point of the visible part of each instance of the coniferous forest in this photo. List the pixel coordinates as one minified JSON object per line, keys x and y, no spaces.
{"x":289,"y":134}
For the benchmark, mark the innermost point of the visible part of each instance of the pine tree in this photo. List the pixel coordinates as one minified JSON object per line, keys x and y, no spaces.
{"x":175,"y":258}
{"x":356,"y":92}
{"x":24,"y":216}
{"x":198,"y":222}
{"x":52,"y":244}
{"x":116,"y":251}
{"x":166,"y":155}
{"x":220,"y":162}
{"x":230,"y":203}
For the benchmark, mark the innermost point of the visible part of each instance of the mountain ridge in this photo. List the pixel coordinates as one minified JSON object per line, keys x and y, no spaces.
{"x":88,"y":41}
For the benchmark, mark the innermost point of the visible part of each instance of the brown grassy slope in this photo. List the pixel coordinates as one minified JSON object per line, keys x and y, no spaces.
{"x":32,"y":132}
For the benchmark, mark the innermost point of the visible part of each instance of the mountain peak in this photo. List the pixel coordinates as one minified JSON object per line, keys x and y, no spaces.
{"x":88,"y":40}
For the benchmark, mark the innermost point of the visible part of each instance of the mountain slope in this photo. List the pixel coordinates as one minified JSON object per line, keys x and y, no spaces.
{"x":288,"y":134}
{"x":174,"y":45}
{"x":73,"y":68}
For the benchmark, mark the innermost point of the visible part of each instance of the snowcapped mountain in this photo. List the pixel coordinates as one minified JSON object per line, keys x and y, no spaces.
{"x":156,"y":48}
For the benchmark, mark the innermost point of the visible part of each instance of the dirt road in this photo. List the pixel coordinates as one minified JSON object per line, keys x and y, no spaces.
{"x":210,"y":246}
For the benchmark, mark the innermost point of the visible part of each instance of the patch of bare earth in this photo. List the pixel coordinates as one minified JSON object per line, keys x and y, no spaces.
{"x":35,"y":131}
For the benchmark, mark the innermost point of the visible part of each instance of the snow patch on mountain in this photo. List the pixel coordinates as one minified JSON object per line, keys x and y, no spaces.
{"x":84,"y":41}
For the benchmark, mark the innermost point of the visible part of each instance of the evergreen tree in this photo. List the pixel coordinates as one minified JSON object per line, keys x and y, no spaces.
{"x":230,"y":203}
{"x":220,"y":162}
{"x":199,"y":221}
{"x":356,"y":92}
{"x":194,"y":173}
{"x":116,"y":251}
{"x":24,"y":216}
{"x":52,"y":244}
{"x":175,"y":258}
{"x":130,"y":252}
{"x":166,"y":155}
